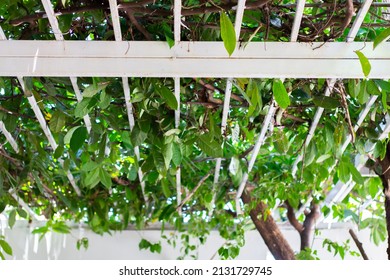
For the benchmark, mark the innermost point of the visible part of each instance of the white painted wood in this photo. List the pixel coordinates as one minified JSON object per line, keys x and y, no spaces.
{"x":297,"y":20}
{"x":358,"y":20}
{"x":9,"y":137}
{"x":52,"y":19}
{"x":177,"y":20}
{"x":110,"y":59}
{"x":115,"y":20}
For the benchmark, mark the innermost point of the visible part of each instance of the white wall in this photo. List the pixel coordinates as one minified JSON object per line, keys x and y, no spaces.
{"x":124,"y":245}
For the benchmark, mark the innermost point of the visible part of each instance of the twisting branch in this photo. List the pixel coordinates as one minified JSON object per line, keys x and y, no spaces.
{"x":292,"y":219}
{"x":344,"y":103}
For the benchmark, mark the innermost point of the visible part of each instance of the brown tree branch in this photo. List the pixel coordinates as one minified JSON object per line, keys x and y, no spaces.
{"x":268,"y":229}
{"x":200,"y":183}
{"x":137,"y":25}
{"x":292,"y":219}
{"x":358,"y":244}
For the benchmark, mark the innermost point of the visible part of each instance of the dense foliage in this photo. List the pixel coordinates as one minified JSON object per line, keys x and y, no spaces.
{"x":103,"y":161}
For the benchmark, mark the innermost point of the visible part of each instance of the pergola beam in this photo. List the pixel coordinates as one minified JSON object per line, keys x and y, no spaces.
{"x":190,"y":59}
{"x":9,"y":137}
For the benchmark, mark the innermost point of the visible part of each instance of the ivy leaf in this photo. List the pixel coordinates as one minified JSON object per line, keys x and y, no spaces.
{"x":227,"y":33}
{"x":105,"y":178}
{"x":209,"y":146}
{"x":383,"y":36}
{"x":169,"y":97}
{"x":78,"y":138}
{"x":366,"y":66}
{"x":6,"y":247}
{"x":326,"y":102}
{"x":82,"y":108}
{"x":280,"y":94}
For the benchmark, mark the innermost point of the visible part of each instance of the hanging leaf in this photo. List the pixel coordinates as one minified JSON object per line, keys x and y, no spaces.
{"x":366,"y":66}
{"x":137,"y":136}
{"x":169,"y":97}
{"x":12,"y":218}
{"x":209,"y":146}
{"x":6,"y":248}
{"x":343,"y":172}
{"x":176,"y":154}
{"x":280,"y":94}
{"x":167,"y":154}
{"x":82,"y":108}
{"x":105,"y":178}
{"x":57,"y":121}
{"x":356,"y":176}
{"x":91,"y":90}
{"x":78,"y":138}
{"x":227,"y":33}
{"x":326,"y":102}
{"x":92,"y":178}
{"x":382,"y":37}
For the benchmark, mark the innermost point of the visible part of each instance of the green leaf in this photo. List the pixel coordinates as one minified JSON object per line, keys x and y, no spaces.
{"x":89,"y":166}
{"x":165,"y":188}
{"x":373,"y":187}
{"x":6,"y":247}
{"x":356,"y":176}
{"x":105,"y":178}
{"x":61,"y":227}
{"x":91,"y":90}
{"x":82,"y":108}
{"x":78,"y":138}
{"x":176,"y":154}
{"x":372,"y":88}
{"x":40,"y":230}
{"x":12,"y":218}
{"x":323,"y":158}
{"x":138,"y":136}
{"x":280,"y":94}
{"x":169,"y":97}
{"x":172,"y":131}
{"x":144,"y":244}
{"x":383,"y":36}
{"x":253,"y":92}
{"x":69,"y":134}
{"x":92,"y":178}
{"x":343,"y":172}
{"x":326,"y":102}
{"x":167,"y":154}
{"x":227,"y":33}
{"x":105,"y":100}
{"x":209,"y":146}
{"x":366,"y":66}
{"x":57,"y":121}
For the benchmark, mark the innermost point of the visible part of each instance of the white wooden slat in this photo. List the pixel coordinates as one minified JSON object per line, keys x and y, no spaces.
{"x":177,"y":20}
{"x":52,"y":19}
{"x":297,"y":20}
{"x":79,"y":96}
{"x":9,"y":137}
{"x":359,"y":20}
{"x":115,"y":20}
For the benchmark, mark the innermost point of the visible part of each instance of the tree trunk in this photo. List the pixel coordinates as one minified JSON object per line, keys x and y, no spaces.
{"x":269,"y":230}
{"x":385,"y":176}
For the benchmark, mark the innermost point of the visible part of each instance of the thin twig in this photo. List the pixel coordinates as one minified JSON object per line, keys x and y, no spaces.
{"x":204,"y":178}
{"x":358,"y":244}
